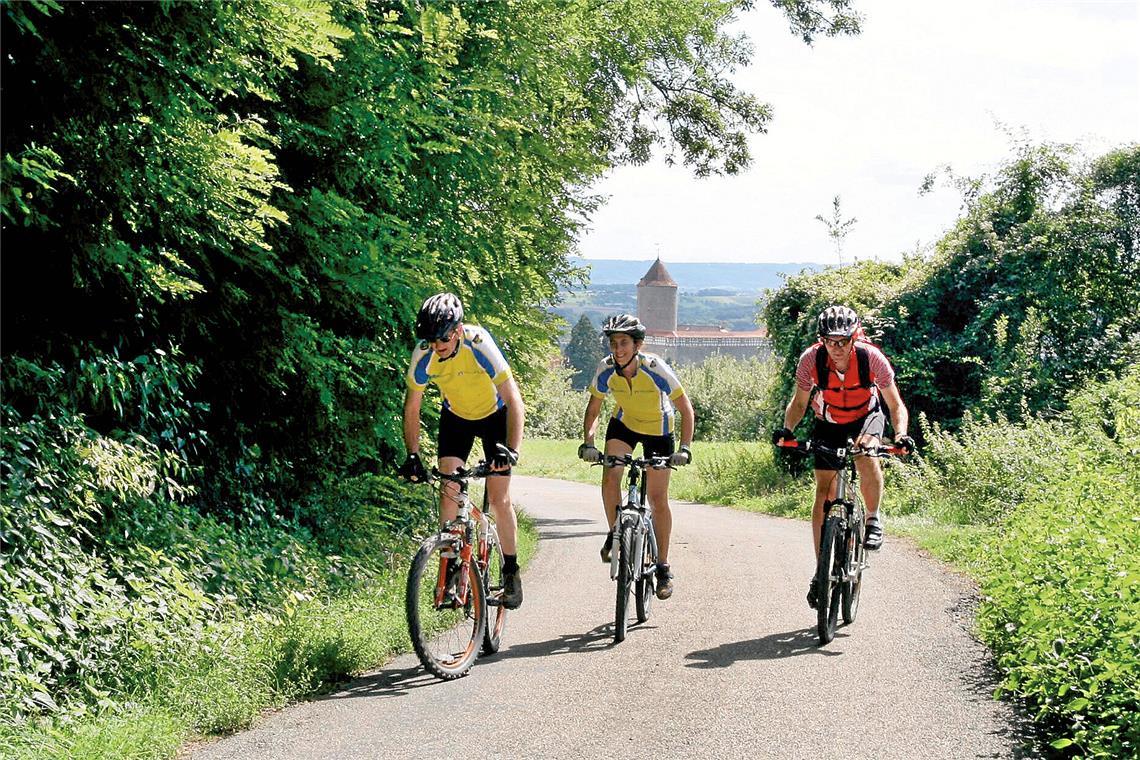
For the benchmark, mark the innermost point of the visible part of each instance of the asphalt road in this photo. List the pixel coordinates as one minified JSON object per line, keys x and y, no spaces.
{"x":730,"y":667}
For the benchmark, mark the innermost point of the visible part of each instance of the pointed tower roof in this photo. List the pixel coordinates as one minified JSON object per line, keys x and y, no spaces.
{"x":657,"y":275}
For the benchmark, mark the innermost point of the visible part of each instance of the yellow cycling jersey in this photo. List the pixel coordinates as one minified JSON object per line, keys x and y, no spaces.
{"x":645,"y":401}
{"x":469,"y":380}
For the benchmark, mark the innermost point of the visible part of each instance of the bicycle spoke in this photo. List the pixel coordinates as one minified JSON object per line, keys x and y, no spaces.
{"x":445,"y":621}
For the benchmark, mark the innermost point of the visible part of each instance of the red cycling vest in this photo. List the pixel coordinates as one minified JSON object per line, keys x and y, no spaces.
{"x":850,"y":398}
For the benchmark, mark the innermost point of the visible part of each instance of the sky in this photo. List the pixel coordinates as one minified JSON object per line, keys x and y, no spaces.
{"x":926,"y":85}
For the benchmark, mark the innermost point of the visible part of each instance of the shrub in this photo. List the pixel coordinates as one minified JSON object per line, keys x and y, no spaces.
{"x":1062,"y":581}
{"x":730,"y":396}
{"x":554,"y":409}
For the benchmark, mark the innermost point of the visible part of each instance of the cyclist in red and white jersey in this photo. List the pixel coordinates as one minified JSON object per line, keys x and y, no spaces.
{"x":846,"y":379}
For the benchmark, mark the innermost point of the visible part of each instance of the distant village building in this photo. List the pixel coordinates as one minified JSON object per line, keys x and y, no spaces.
{"x":687,"y":344}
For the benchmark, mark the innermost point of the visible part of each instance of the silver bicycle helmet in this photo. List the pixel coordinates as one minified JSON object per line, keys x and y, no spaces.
{"x":438,"y":316}
{"x":624,"y":323}
{"x":838,"y":321}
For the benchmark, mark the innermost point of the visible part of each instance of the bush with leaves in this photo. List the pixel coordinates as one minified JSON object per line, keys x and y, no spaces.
{"x":730,"y":397}
{"x":554,"y":409}
{"x":1061,"y":604}
{"x":1030,"y":296}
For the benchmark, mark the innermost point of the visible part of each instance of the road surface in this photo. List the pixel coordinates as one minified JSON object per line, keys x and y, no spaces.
{"x":730,"y":667}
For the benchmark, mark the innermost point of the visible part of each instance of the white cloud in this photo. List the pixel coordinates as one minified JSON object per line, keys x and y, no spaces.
{"x":868,"y":117}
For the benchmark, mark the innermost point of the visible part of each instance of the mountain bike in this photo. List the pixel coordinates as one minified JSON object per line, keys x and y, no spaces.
{"x":842,"y":555}
{"x":455,"y":585}
{"x":633,"y":558}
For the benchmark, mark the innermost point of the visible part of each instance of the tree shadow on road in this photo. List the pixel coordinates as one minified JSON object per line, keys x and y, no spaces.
{"x":595,"y":640}
{"x":386,"y":683}
{"x":550,"y":528}
{"x":775,"y":646}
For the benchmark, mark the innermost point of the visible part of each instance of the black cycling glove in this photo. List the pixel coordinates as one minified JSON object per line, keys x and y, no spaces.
{"x":681,"y":456}
{"x":905,"y":442}
{"x":781,"y":435}
{"x":505,"y":456}
{"x":588,"y":452}
{"x":413,"y":469}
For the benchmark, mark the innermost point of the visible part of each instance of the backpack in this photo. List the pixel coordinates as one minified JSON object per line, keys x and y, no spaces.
{"x":862,"y":358}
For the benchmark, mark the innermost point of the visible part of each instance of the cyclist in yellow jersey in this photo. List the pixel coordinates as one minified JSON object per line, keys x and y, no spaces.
{"x":647,"y":395}
{"x":480,"y":400}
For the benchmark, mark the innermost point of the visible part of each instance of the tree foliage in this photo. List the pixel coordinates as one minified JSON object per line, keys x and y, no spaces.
{"x":219,"y":219}
{"x":1030,"y":296}
{"x":584,"y":351}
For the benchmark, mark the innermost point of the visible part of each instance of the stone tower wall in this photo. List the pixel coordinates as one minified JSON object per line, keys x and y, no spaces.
{"x":657,"y":306}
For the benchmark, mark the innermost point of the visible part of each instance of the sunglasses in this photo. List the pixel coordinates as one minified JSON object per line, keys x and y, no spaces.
{"x":445,"y":337}
{"x":837,"y":342}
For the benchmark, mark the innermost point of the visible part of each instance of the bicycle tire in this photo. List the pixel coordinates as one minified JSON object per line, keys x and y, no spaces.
{"x":496,"y":612}
{"x":828,"y":584}
{"x":644,"y":589}
{"x":854,"y":583}
{"x":624,"y":581}
{"x":447,"y":641}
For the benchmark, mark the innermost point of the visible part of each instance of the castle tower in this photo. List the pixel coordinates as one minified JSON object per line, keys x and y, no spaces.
{"x":657,"y":299}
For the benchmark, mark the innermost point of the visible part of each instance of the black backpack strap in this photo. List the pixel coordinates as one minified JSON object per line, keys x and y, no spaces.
{"x":821,"y":374}
{"x":863,"y":357}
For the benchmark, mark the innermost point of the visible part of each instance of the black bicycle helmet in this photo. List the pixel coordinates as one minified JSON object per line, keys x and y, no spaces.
{"x":439,"y":315}
{"x":624,"y":323}
{"x":838,"y":320}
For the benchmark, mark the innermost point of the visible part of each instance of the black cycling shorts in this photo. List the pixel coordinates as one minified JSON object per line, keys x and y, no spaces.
{"x":651,"y":445}
{"x":836,"y":435}
{"x":457,"y":435}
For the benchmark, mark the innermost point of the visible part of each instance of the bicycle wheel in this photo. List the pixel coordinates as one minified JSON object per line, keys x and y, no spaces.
{"x":644,"y":589}
{"x":828,"y":580}
{"x":624,"y":580}
{"x":854,"y":582}
{"x":446,"y":636}
{"x":493,"y":584}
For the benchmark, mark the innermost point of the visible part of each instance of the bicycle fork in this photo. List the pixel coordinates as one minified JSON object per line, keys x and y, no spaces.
{"x":841,"y":509}
{"x":452,"y":566}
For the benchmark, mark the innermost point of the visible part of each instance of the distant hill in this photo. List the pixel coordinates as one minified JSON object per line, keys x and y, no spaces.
{"x":732,"y":277}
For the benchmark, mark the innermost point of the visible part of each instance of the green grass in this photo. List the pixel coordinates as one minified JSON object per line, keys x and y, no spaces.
{"x":224,"y":681}
{"x":736,"y":474}
{"x":743,"y":476}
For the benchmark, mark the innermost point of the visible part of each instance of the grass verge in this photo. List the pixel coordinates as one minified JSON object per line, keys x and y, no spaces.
{"x":224,"y":681}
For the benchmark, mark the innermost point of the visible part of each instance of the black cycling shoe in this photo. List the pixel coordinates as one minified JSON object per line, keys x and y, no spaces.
{"x":813,"y":593}
{"x":873,"y":539}
{"x":512,"y":590}
{"x":606,"y":554}
{"x":664,"y":581}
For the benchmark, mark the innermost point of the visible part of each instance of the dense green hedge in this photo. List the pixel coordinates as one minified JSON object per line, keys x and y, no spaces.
{"x":1061,"y":580}
{"x":1032,"y":294}
{"x":1052,"y":533}
{"x":219,"y":220}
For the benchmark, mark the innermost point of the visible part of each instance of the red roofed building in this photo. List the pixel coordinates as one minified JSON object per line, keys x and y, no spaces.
{"x":687,"y":344}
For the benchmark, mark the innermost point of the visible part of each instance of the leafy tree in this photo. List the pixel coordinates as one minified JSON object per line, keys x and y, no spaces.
{"x":219,"y":220}
{"x":729,"y":396}
{"x":584,"y":351}
{"x":838,"y":228}
{"x":554,"y":407}
{"x":1031,"y":295}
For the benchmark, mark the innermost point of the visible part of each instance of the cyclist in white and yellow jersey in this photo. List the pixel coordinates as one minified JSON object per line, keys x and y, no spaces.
{"x":647,"y":394}
{"x":480,"y":400}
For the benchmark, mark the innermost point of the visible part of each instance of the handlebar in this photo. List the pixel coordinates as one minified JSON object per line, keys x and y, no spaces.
{"x":653,"y":462}
{"x":810,"y":447}
{"x":480,"y":470}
